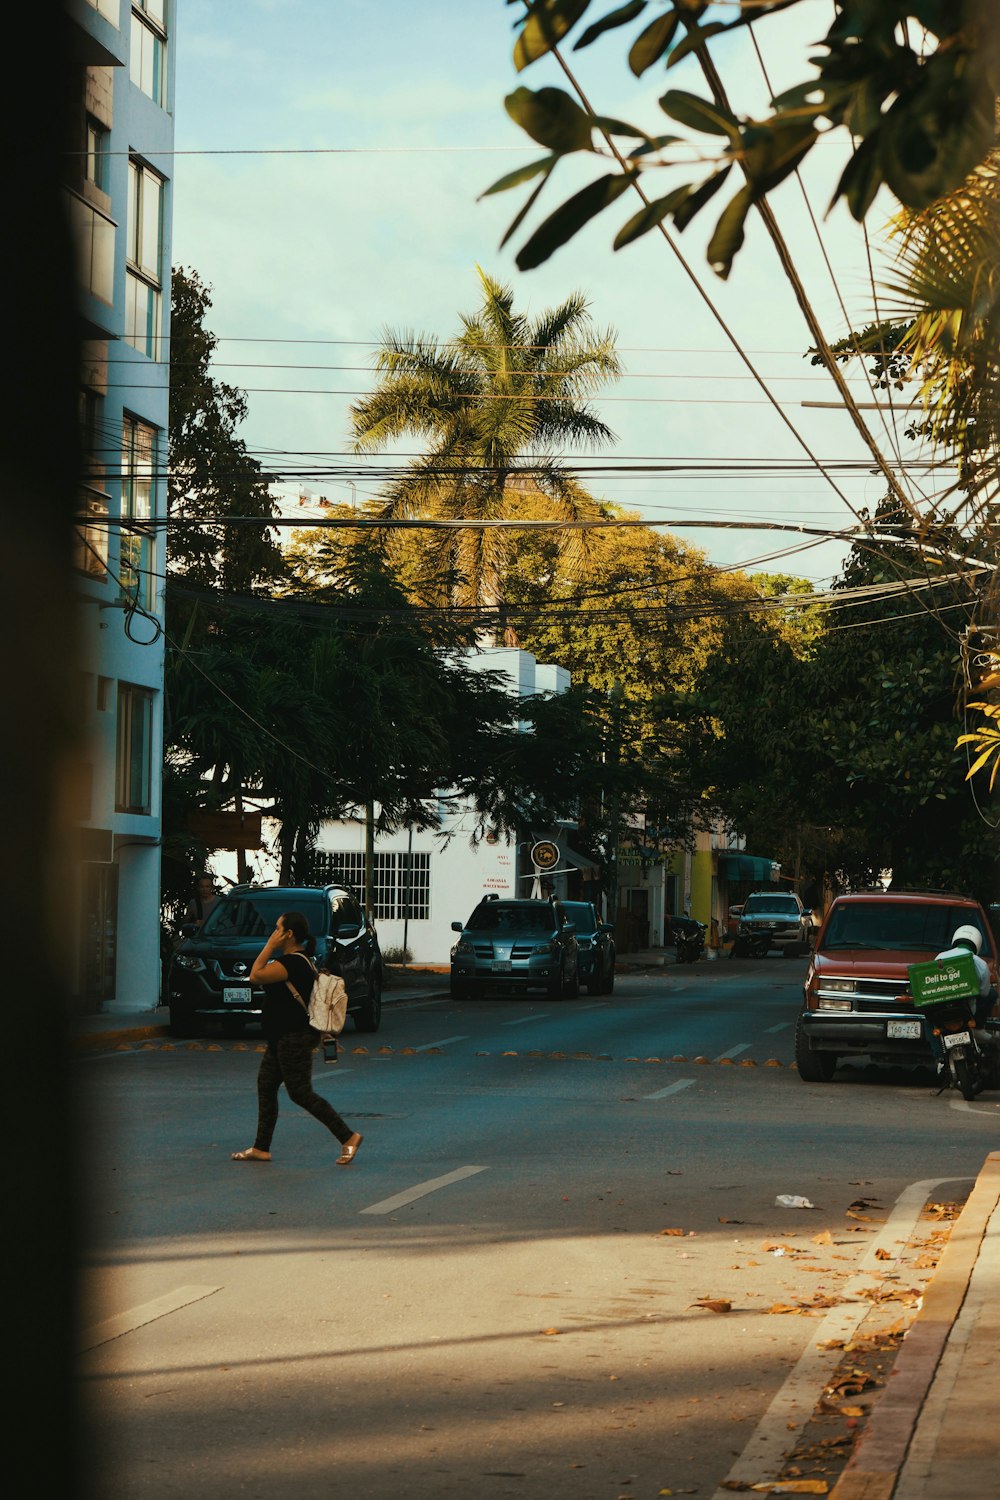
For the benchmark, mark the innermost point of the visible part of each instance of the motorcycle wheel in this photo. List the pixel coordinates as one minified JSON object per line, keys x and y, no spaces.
{"x":964,"y":1076}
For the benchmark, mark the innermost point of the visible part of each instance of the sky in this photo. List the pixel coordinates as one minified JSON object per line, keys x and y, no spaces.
{"x":331,"y":157}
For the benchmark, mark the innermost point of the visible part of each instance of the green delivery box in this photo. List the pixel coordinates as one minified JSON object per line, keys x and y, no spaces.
{"x":944,"y":979}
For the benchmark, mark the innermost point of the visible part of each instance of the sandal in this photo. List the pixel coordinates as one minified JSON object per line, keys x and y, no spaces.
{"x":350,"y":1150}
{"x":251,"y":1154}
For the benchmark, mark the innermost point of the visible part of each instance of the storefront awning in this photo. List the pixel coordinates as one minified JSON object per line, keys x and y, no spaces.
{"x":582,"y":861}
{"x":751,"y":867}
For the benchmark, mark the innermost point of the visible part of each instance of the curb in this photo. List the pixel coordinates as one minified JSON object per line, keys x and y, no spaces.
{"x":873,"y":1471}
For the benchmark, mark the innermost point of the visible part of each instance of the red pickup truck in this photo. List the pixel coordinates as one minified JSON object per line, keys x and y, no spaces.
{"x":857,"y":995}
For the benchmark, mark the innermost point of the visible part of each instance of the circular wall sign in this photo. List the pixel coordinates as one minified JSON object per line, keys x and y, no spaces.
{"x":545,"y":855}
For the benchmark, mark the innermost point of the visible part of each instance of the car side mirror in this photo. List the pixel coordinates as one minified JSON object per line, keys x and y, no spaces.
{"x":457,"y":927}
{"x":188,"y":929}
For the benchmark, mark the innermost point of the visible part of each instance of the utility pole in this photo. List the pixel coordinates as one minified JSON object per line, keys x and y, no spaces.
{"x":614,"y":804}
{"x":370,"y":859}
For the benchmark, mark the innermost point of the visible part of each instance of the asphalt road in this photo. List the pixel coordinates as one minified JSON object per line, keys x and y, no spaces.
{"x":500,"y":1297}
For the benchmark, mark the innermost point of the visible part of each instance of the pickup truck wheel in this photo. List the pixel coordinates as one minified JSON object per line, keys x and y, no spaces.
{"x":814,"y":1067}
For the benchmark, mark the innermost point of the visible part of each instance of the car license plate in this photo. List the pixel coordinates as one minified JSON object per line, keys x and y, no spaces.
{"x":238,"y":994}
{"x":957,"y":1039}
{"x":502,"y":966}
{"x":905,"y":1030}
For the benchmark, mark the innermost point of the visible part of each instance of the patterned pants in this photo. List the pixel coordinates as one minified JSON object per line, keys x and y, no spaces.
{"x":288,"y":1061}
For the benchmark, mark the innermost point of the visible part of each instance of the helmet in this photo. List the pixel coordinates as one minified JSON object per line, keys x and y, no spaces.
{"x":970,"y":935}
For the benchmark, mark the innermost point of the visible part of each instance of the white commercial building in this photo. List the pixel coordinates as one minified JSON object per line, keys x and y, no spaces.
{"x":424,"y":879}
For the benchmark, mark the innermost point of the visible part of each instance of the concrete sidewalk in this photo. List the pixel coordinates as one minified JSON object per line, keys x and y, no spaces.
{"x":934,"y":1434}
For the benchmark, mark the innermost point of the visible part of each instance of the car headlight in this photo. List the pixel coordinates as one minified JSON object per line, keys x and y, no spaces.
{"x":463,"y":946}
{"x":548,"y":947}
{"x":188,"y":961}
{"x":840,"y":986}
{"x":825,"y":1003}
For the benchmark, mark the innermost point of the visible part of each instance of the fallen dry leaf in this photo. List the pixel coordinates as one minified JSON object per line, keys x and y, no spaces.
{"x":823,"y":1238}
{"x":548,"y":1332}
{"x":674,"y":1231}
{"x":792,"y":1487}
{"x":732,"y":1221}
{"x":852,"y":1411}
{"x":881,"y":1254}
{"x":713,"y":1304}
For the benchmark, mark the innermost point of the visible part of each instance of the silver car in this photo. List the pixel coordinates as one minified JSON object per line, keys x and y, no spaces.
{"x":772,"y":919}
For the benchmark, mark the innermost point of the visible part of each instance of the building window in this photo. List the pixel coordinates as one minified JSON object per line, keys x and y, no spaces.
{"x":109,"y":9}
{"x":90,"y":553}
{"x":143,"y":254}
{"x":99,"y":938}
{"x":133,"y":753}
{"x":401,"y":881}
{"x":148,"y":49}
{"x":94,"y":237}
{"x":96,"y":160}
{"x":137,"y":564}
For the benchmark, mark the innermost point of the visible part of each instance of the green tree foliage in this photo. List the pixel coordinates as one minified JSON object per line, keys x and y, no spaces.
{"x":494,"y":406}
{"x":211,"y":474}
{"x":847,"y":754}
{"x":636,"y":624}
{"x":912,"y":81}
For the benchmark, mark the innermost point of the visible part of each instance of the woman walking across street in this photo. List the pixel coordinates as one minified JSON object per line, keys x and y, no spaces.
{"x":282,"y":962}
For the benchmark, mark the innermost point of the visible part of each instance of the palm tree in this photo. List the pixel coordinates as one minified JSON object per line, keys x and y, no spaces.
{"x":948,"y":285}
{"x":494,"y":407}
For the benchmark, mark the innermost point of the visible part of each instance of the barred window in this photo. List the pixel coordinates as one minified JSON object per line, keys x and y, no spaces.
{"x":401,"y":885}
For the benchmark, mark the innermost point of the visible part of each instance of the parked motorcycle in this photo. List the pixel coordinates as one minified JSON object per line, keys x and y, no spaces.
{"x":757,"y":945}
{"x":689,"y":942}
{"x":968,"y":1056}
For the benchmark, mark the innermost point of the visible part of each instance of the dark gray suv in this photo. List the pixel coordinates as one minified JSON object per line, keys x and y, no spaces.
{"x":208,"y":982}
{"x":515,"y":945}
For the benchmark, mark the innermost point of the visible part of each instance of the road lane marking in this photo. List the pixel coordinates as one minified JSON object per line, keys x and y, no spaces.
{"x":781,"y":1026}
{"x":445,"y":1041}
{"x":597,"y":1005}
{"x":523,"y":1020}
{"x":983,"y":1108}
{"x":432,"y":1185}
{"x":138,"y":1317}
{"x":735,"y":1051}
{"x":766,"y":1450}
{"x":671,"y":1088}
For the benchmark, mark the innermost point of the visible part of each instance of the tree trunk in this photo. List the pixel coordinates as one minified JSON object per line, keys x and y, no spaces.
{"x":370,"y":861}
{"x":303,"y":848}
{"x":286,"y":840}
